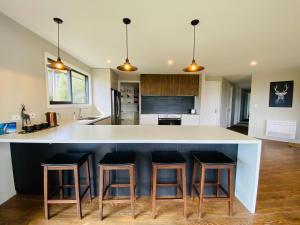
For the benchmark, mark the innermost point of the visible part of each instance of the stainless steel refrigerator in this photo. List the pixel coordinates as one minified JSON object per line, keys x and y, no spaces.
{"x":115,"y":107}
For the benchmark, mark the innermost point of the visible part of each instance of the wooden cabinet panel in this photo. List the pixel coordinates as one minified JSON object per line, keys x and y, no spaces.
{"x":169,"y":85}
{"x":188,"y":85}
{"x":150,"y":85}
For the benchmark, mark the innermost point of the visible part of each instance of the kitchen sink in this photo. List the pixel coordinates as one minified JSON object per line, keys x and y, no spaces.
{"x":89,"y":118}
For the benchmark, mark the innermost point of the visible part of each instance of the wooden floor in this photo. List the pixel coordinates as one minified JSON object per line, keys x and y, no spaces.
{"x":278,"y":202}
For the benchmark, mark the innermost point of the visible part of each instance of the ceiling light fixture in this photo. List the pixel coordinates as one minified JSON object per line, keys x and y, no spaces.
{"x":194,"y":67}
{"x":127,"y":66}
{"x":170,"y":61}
{"x":253,"y":63}
{"x":58,"y":64}
{"x":108,"y":61}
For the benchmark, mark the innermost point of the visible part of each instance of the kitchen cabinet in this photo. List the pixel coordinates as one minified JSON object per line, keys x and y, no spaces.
{"x":169,"y":85}
{"x":149,"y":119}
{"x":193,"y":120}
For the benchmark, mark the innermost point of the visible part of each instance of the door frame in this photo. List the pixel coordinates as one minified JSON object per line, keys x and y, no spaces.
{"x":132,"y":81}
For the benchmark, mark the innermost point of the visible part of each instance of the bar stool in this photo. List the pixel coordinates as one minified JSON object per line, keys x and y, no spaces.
{"x":166,"y":160}
{"x":217,"y":161}
{"x":113,"y":162}
{"x":61,"y":162}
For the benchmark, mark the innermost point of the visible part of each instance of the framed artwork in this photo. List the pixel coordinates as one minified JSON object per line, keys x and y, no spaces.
{"x":281,"y":94}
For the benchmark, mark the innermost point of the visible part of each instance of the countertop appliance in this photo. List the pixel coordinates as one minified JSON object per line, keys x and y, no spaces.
{"x":115,"y":107}
{"x":193,"y":111}
{"x":169,"y":119}
{"x":51,"y":118}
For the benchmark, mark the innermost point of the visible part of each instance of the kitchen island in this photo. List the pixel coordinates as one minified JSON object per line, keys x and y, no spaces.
{"x":28,"y":150}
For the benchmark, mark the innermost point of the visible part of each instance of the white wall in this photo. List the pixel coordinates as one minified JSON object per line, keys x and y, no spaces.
{"x":7,"y":185}
{"x":259,"y":104}
{"x":22,"y":72}
{"x":102,"y":90}
{"x":22,"y":79}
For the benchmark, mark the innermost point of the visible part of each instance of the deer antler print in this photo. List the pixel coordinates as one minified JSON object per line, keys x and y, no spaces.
{"x":280,"y":95}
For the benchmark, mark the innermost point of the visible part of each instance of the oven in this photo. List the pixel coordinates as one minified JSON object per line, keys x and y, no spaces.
{"x":169,"y":119}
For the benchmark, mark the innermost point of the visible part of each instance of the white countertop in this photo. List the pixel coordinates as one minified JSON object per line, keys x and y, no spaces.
{"x":79,"y":132}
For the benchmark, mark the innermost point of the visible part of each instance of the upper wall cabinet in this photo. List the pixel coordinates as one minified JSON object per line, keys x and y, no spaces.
{"x":169,"y":85}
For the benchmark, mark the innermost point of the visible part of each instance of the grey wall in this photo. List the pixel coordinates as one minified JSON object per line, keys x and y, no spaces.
{"x":167,"y":104}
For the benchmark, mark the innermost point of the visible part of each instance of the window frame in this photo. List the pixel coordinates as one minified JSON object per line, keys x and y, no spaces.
{"x":57,"y":104}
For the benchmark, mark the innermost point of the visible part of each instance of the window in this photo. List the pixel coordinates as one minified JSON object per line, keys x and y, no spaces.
{"x":70,"y":87}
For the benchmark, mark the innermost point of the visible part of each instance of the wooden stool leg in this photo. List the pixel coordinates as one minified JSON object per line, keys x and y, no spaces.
{"x":131,"y":174}
{"x":46,"y":192}
{"x":201,"y":194}
{"x":193,"y":179}
{"x":134,"y":183}
{"x":154,"y":182}
{"x":184,"y":190}
{"x":178,"y":182}
{"x":61,"y":184}
{"x":230,"y":191}
{"x":101,"y":177}
{"x":88,"y":179}
{"x":77,"y":191}
{"x":107,"y":183}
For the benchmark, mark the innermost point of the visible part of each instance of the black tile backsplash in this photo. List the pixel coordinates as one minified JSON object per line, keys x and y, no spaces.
{"x":167,"y":104}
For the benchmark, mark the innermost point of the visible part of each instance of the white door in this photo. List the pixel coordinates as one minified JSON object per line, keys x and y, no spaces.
{"x":230,"y":96}
{"x":210,"y":113}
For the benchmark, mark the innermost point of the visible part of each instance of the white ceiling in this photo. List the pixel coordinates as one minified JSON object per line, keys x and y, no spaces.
{"x":232,"y":33}
{"x":242,"y":81}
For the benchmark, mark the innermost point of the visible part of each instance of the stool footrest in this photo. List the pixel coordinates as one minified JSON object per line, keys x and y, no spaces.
{"x":119,"y":185}
{"x":215,"y":184}
{"x":61,"y":201}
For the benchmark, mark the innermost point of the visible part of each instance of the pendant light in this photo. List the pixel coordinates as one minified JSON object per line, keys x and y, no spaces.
{"x":58,"y":64}
{"x":127,"y":66}
{"x":194,"y":67}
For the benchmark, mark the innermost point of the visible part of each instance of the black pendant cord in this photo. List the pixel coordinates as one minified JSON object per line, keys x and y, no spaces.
{"x":194,"y":43}
{"x":58,"y":40}
{"x":126,"y":42}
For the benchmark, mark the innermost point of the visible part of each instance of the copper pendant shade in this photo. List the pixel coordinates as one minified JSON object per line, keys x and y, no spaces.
{"x":194,"y":67}
{"x":127,"y":66}
{"x":58,"y":64}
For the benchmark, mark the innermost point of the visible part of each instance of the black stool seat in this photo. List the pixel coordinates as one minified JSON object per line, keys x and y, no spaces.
{"x":66,"y":159}
{"x":118,"y":158}
{"x":167,"y":157}
{"x":212,"y":157}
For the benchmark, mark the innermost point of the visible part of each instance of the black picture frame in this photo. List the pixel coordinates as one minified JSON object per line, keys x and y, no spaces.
{"x":281,"y":94}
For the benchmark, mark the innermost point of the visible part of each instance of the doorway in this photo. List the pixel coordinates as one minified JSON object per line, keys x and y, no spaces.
{"x":241,"y":103}
{"x":130,"y":102}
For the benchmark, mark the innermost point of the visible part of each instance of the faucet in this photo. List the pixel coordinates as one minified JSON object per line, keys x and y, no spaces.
{"x":79,"y":113}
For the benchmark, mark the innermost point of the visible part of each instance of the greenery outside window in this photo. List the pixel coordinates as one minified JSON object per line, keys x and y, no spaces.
{"x":67,"y":87}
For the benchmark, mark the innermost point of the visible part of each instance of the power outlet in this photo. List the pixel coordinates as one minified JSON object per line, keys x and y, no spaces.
{"x":32,"y":115}
{"x":15,"y":117}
